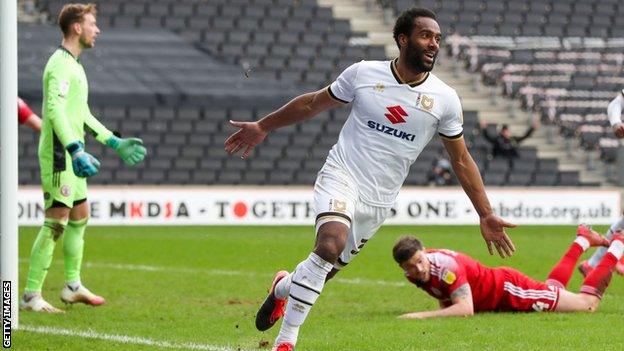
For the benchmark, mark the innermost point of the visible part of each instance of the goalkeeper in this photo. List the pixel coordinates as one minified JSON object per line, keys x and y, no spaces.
{"x":64,"y":163}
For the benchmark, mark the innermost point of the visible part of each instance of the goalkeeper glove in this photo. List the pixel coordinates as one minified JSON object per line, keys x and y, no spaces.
{"x":130,"y":150}
{"x":84,"y":164}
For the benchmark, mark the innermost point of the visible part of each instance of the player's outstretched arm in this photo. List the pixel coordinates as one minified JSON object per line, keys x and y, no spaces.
{"x":492,"y":226}
{"x":462,"y":306}
{"x":34,"y":122}
{"x":614,"y":112}
{"x":26,"y":116}
{"x":299,"y":109}
{"x":130,"y":150}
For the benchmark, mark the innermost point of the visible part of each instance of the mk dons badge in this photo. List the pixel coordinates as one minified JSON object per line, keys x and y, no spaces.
{"x":426,"y":103}
{"x":338,"y":206}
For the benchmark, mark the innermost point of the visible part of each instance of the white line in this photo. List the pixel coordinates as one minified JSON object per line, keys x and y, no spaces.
{"x":148,"y":268}
{"x":124,"y":339}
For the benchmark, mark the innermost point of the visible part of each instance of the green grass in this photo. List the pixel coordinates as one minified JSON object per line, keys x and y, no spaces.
{"x":208,"y":282}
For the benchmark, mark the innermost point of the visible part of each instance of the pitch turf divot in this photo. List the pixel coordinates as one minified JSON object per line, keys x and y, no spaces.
{"x":124,"y":339}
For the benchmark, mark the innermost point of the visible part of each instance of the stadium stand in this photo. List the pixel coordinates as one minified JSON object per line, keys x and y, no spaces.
{"x":174,"y":73}
{"x":562,"y":59}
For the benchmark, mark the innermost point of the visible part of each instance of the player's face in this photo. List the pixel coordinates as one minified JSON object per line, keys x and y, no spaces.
{"x":506,"y":133}
{"x":423,"y":45}
{"x":90,"y":31}
{"x":417,"y":267}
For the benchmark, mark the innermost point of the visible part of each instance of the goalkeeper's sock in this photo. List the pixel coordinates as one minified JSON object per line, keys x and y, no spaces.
{"x":598,"y":280}
{"x":307,"y":283}
{"x":562,"y":272}
{"x":41,"y":253}
{"x":601,"y":251}
{"x":73,"y":244}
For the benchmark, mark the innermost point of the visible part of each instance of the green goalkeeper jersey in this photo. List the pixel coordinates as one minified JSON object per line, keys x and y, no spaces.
{"x":66,"y":111}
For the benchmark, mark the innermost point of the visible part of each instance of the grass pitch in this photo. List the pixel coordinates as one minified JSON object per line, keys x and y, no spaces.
{"x":198,"y":288}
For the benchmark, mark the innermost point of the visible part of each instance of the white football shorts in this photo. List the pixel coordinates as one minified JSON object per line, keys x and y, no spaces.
{"x":336,"y":199}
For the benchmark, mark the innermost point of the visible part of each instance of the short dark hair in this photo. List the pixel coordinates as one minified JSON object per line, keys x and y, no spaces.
{"x":405,"y":21}
{"x":405,"y":248}
{"x":74,"y":13}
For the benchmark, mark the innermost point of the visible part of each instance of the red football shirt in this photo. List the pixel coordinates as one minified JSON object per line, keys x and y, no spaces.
{"x":450,"y":270}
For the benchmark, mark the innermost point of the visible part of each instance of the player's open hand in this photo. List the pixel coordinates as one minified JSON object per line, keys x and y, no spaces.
{"x":246,"y":138}
{"x":618,"y":130}
{"x":493,"y":231}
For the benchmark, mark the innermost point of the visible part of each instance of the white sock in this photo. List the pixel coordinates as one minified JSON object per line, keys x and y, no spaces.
{"x":601,"y":251}
{"x":616,"y":249}
{"x":282,"y":288}
{"x":584,"y":243}
{"x":307,"y":282}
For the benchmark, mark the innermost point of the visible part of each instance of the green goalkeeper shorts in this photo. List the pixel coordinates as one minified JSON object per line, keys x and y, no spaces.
{"x":63,"y":187}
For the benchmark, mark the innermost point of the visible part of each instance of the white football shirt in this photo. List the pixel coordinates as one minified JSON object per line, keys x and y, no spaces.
{"x":614,"y":110}
{"x":390,"y":123}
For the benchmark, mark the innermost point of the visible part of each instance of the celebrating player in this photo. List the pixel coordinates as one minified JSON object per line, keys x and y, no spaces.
{"x":65,"y":164}
{"x":614,"y":112}
{"x":464,"y":286}
{"x":26,"y":116}
{"x":398,"y":106}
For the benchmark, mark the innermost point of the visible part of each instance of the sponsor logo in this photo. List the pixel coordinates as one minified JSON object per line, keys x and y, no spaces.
{"x":63,"y":88}
{"x":6,"y":314}
{"x":46,"y":195}
{"x":396,"y":114}
{"x":65,"y":190}
{"x":449,"y":277}
{"x":390,"y":131}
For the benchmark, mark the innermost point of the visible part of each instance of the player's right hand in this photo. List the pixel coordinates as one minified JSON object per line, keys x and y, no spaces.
{"x":493,"y":232}
{"x":246,"y":138}
{"x":84,"y":164}
{"x":618,"y":130}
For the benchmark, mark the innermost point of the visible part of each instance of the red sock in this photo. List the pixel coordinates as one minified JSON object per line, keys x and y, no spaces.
{"x":598,"y":280}
{"x":562,"y":272}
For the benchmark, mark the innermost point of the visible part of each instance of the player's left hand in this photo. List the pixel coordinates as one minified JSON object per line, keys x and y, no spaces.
{"x":130,"y":150}
{"x":493,"y":232}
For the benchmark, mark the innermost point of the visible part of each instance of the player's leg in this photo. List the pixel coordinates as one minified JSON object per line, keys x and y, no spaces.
{"x":596,"y":282}
{"x":598,"y":279}
{"x":73,"y":248}
{"x":586,"y":266}
{"x":585,"y":238}
{"x":571,"y":302}
{"x":58,"y":200}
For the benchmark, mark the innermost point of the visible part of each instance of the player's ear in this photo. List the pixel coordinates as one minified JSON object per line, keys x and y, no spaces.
{"x":77,"y":26}
{"x":403,"y":39}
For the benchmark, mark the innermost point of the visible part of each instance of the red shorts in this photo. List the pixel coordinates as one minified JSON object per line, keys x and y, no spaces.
{"x":521,"y":293}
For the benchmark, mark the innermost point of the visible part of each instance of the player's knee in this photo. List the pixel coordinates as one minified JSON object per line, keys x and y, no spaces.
{"x":591,"y":302}
{"x":331,"y":240}
{"x":57,"y":228}
{"x":592,"y":306}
